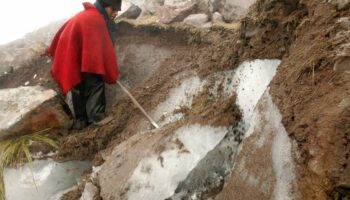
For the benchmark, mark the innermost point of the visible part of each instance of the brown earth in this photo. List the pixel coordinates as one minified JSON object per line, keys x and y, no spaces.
{"x":309,"y":93}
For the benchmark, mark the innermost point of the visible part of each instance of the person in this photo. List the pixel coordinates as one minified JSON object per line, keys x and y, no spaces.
{"x":84,"y":59}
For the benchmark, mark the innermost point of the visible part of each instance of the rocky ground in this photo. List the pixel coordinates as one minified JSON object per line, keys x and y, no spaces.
{"x":311,"y":89}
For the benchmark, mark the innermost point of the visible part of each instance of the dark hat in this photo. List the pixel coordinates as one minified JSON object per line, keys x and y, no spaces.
{"x":115,"y":4}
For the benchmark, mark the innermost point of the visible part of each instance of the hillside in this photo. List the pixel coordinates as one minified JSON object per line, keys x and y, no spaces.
{"x":258,"y":108}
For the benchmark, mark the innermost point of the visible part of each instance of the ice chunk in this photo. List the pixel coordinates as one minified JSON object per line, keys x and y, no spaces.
{"x":42,"y":180}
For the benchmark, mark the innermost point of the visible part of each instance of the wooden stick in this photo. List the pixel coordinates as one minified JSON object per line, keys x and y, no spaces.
{"x":138,"y":105}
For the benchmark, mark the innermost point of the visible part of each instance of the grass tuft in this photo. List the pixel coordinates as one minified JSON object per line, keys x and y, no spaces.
{"x":15,"y":151}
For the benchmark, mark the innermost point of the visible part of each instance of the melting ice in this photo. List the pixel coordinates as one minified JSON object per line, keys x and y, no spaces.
{"x":153,"y":179}
{"x":43,"y":180}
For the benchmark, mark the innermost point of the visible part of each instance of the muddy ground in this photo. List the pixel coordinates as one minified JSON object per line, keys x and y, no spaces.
{"x":307,"y":89}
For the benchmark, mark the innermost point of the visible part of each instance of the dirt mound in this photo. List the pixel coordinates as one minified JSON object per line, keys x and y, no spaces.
{"x":312,"y":96}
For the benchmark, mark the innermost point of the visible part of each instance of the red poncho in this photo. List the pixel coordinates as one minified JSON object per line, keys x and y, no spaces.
{"x":83,"y":44}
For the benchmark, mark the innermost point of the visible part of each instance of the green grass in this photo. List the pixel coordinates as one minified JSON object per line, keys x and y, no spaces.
{"x":15,"y":151}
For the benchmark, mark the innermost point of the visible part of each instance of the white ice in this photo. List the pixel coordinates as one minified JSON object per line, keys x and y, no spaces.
{"x":42,"y":180}
{"x":178,"y":97}
{"x":268,"y":121}
{"x":157,"y":176}
{"x":253,"y":78}
{"x":249,"y":81}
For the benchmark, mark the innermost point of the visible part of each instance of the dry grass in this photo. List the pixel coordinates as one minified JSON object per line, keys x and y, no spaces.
{"x":15,"y":151}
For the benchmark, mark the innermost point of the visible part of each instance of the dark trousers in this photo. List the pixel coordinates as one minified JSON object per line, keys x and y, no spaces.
{"x":88,"y":98}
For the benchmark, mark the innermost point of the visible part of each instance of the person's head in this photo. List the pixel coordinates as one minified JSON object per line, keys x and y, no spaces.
{"x":111,"y":6}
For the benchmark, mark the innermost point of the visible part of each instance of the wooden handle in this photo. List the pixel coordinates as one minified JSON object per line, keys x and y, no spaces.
{"x":138,"y":105}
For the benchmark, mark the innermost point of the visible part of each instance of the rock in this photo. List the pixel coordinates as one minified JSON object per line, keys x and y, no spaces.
{"x":168,"y":14}
{"x":207,"y":25}
{"x":233,"y":9}
{"x":217,"y":5}
{"x":344,"y":22}
{"x":217,"y":17}
{"x":242,"y":3}
{"x":232,"y":12}
{"x":342,"y":4}
{"x":344,"y":103}
{"x":197,"y":20}
{"x":26,"y":110}
{"x":174,"y":2}
{"x":250,"y":34}
{"x":151,"y":6}
{"x":144,"y":13}
{"x":131,"y":13}
{"x":203,"y":6}
{"x":90,"y":192}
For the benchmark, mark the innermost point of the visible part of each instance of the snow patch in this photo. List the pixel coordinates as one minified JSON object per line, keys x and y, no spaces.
{"x":157,"y":176}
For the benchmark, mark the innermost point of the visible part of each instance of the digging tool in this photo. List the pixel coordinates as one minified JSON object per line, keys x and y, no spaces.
{"x":137,"y":104}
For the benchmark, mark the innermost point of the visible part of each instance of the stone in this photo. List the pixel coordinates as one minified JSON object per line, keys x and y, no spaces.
{"x":232,"y":12}
{"x":233,"y":9}
{"x":144,"y":13}
{"x":151,"y":6}
{"x":131,"y":13}
{"x":168,"y":14}
{"x":90,"y":192}
{"x":197,"y":20}
{"x":250,"y":34}
{"x":203,"y":6}
{"x":217,"y":17}
{"x":174,"y":2}
{"x":207,"y":25}
{"x":342,"y":4}
{"x":27,"y":110}
{"x":217,"y":5}
{"x":344,"y":103}
{"x":344,"y":22}
{"x":242,"y":3}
